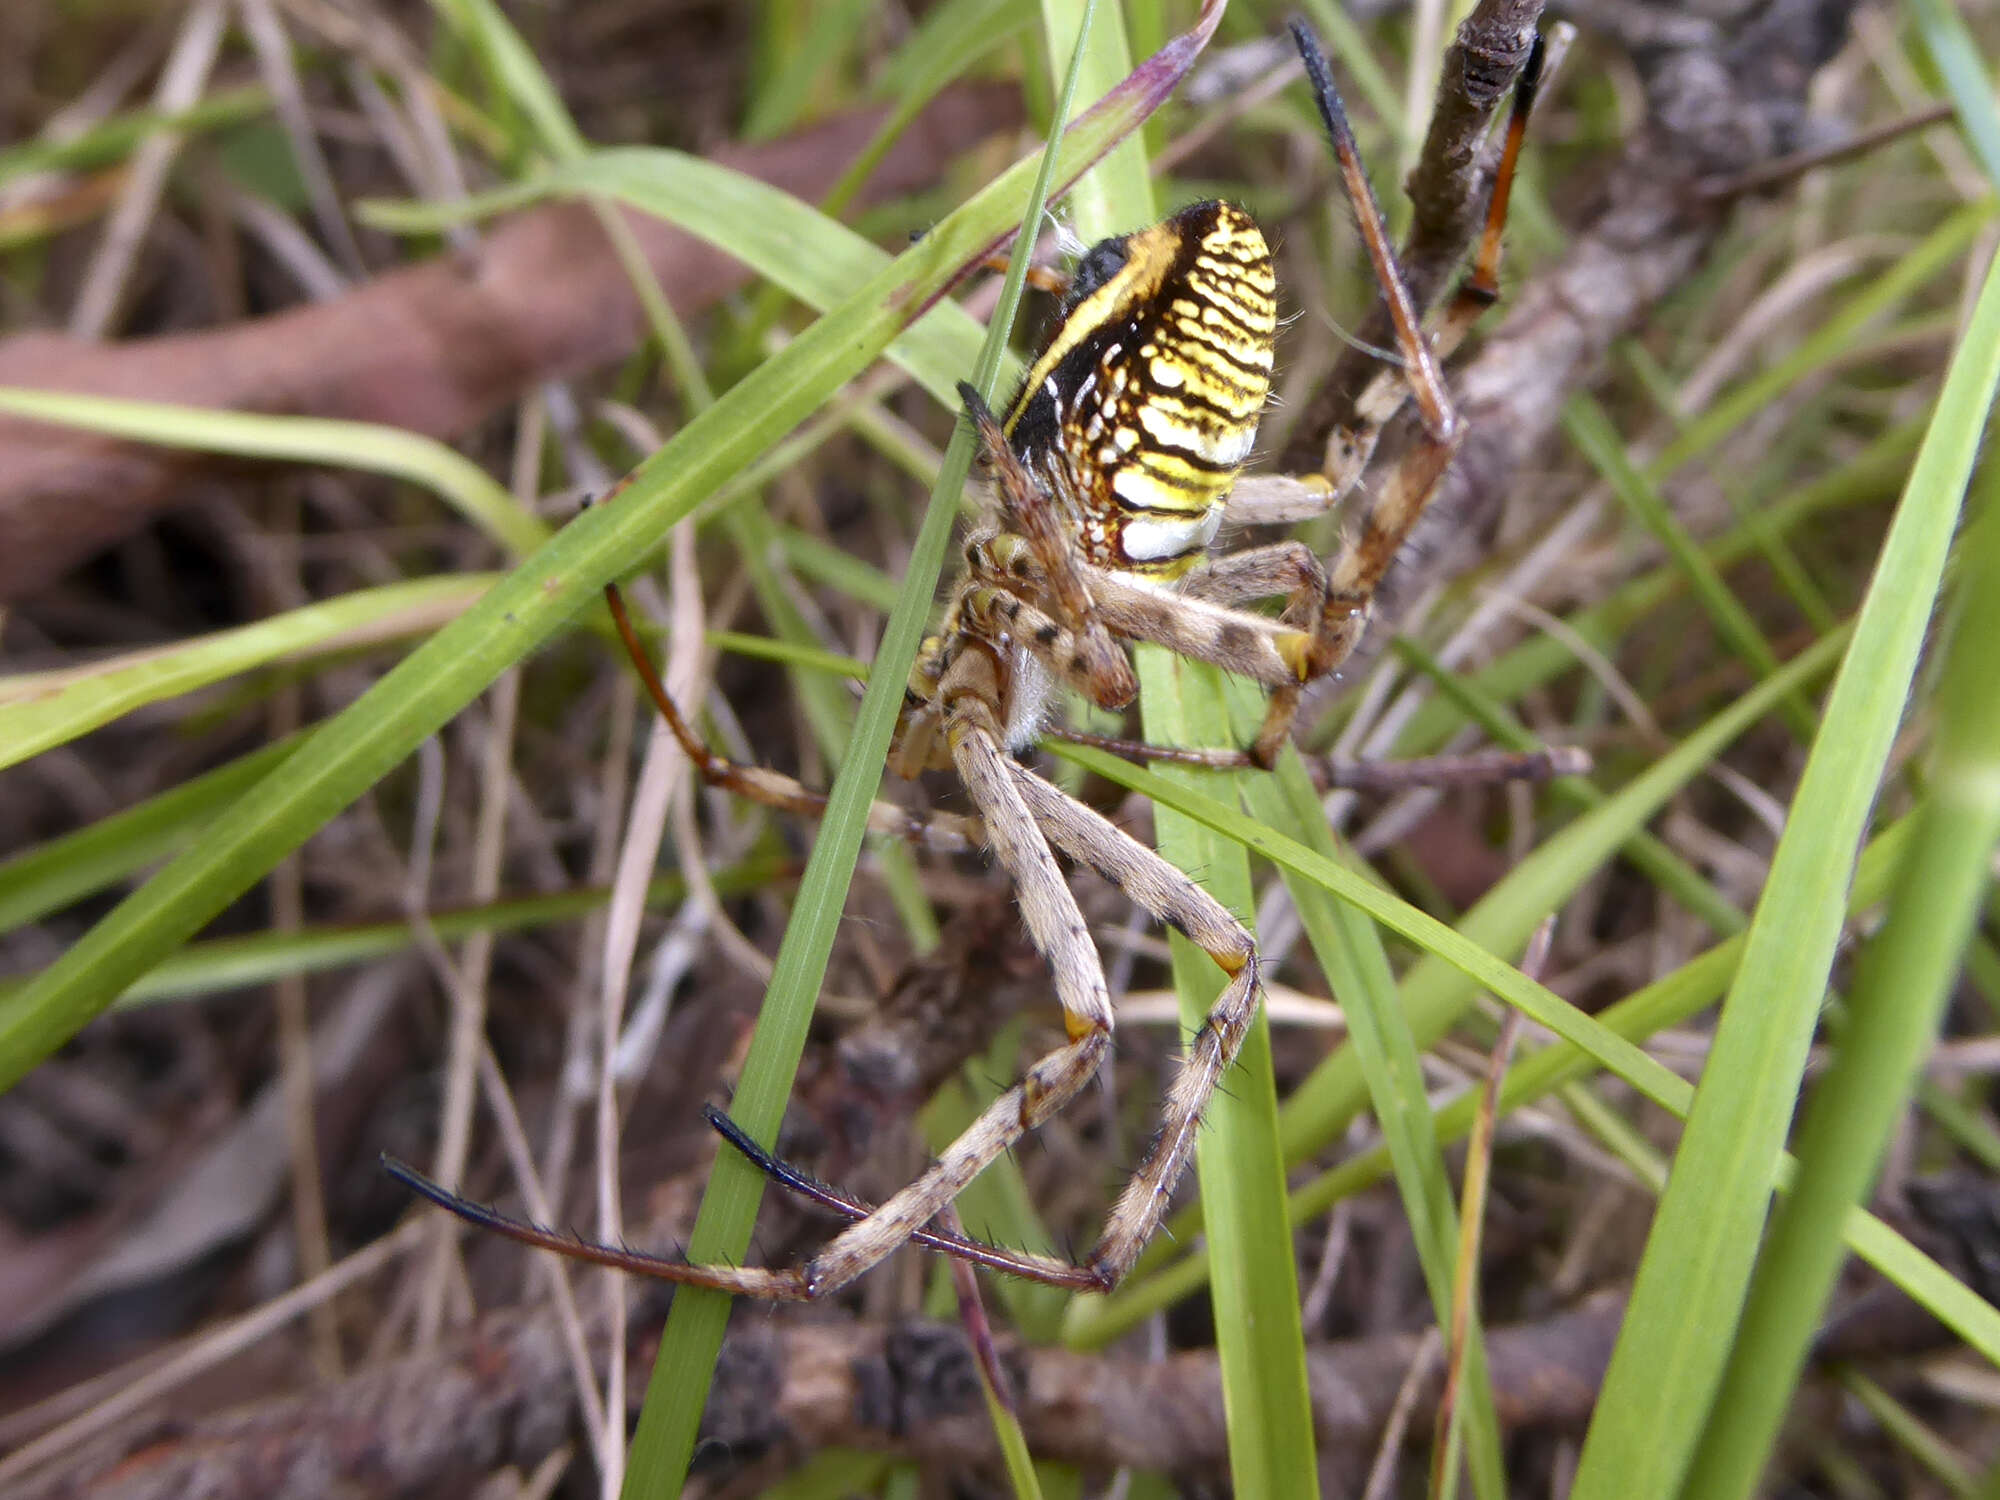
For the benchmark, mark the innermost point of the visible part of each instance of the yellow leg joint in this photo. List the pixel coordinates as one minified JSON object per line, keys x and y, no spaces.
{"x":1294,"y":649}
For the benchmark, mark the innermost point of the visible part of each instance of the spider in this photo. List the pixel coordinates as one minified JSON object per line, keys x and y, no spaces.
{"x":1111,"y":472}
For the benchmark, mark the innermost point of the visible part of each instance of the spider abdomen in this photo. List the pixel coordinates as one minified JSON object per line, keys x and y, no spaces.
{"x":1145,"y":405}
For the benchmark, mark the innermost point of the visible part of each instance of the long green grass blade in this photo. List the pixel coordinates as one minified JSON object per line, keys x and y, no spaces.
{"x":665,"y":1440}
{"x":49,"y":876}
{"x":1434,"y":996}
{"x":1350,"y":952}
{"x":1691,"y":1281}
{"x":515,"y":72}
{"x":348,"y":754}
{"x":816,"y":259}
{"x":1938,"y":251}
{"x":41,"y":710}
{"x":1959,"y":1308}
{"x":1667,"y":1001}
{"x":1673,"y":875}
{"x":1903,"y":979}
{"x":1877,"y":471}
{"x":115,"y":138}
{"x":1259,"y":1340}
{"x":1966,"y":75}
{"x":218,"y":964}
{"x":1444,"y":944}
{"x":368,"y":446}
{"x":1591,"y":430}
{"x":1436,"y":990}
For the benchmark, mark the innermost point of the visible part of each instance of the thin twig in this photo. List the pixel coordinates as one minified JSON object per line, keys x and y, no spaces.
{"x":1472,"y":1215}
{"x":1382,"y":1473}
{"x":1785,"y":168}
{"x":181,"y":83}
{"x":514,"y":1139}
{"x":1446,"y":190}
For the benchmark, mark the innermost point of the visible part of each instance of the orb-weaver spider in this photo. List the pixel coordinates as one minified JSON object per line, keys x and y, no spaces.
{"x":1112,"y":470}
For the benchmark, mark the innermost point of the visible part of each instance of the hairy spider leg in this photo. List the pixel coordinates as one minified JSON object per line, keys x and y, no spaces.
{"x":1350,"y":582}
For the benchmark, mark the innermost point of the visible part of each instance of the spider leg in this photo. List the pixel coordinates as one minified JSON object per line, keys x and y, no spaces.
{"x":1140,"y":750}
{"x":1280,"y":499}
{"x":773,"y":789}
{"x":1349,"y":448}
{"x":1031,"y":510}
{"x":1270,"y":652}
{"x":1357,"y":571}
{"x":1090,"y":660}
{"x":1424,"y":380}
{"x":784,"y":1285}
{"x":1027,"y":815}
{"x":1248,"y":645}
{"x":946,"y":1242}
{"x":1290,"y":571}
{"x":1382,"y":777}
{"x":1050,"y":279}
{"x":1170,"y":896}
{"x":1243,"y":643}
{"x":742,"y":1281}
{"x":1481,"y":288}
{"x":1057,"y":927}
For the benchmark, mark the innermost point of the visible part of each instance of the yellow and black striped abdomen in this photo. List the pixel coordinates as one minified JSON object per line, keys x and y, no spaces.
{"x":1146,"y":402}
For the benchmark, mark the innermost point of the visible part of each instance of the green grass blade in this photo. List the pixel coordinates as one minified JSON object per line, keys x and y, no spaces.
{"x":820,"y":560}
{"x":1876,"y":471}
{"x":1591,"y":430}
{"x":41,"y":710}
{"x":1475,"y":963}
{"x":50,"y":876}
{"x":1940,"y":250}
{"x":1961,"y":1309}
{"x":1116,"y":195}
{"x":1350,"y":952}
{"x":1691,"y":1281}
{"x":515,"y":70}
{"x":368,"y":446}
{"x":1437,"y":989}
{"x":816,"y":259}
{"x":832,"y":1474}
{"x":1259,"y":1340}
{"x":1014,"y":1455}
{"x":806,"y":658}
{"x":829,"y":35}
{"x":206,"y":968}
{"x":947,"y":41}
{"x":668,"y":1422}
{"x":349,"y":753}
{"x":1966,"y":77}
{"x":1903,"y":979}
{"x":1673,"y":875}
{"x":115,"y":138}
{"x":1434,"y":996}
{"x":1669,"y":1000}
